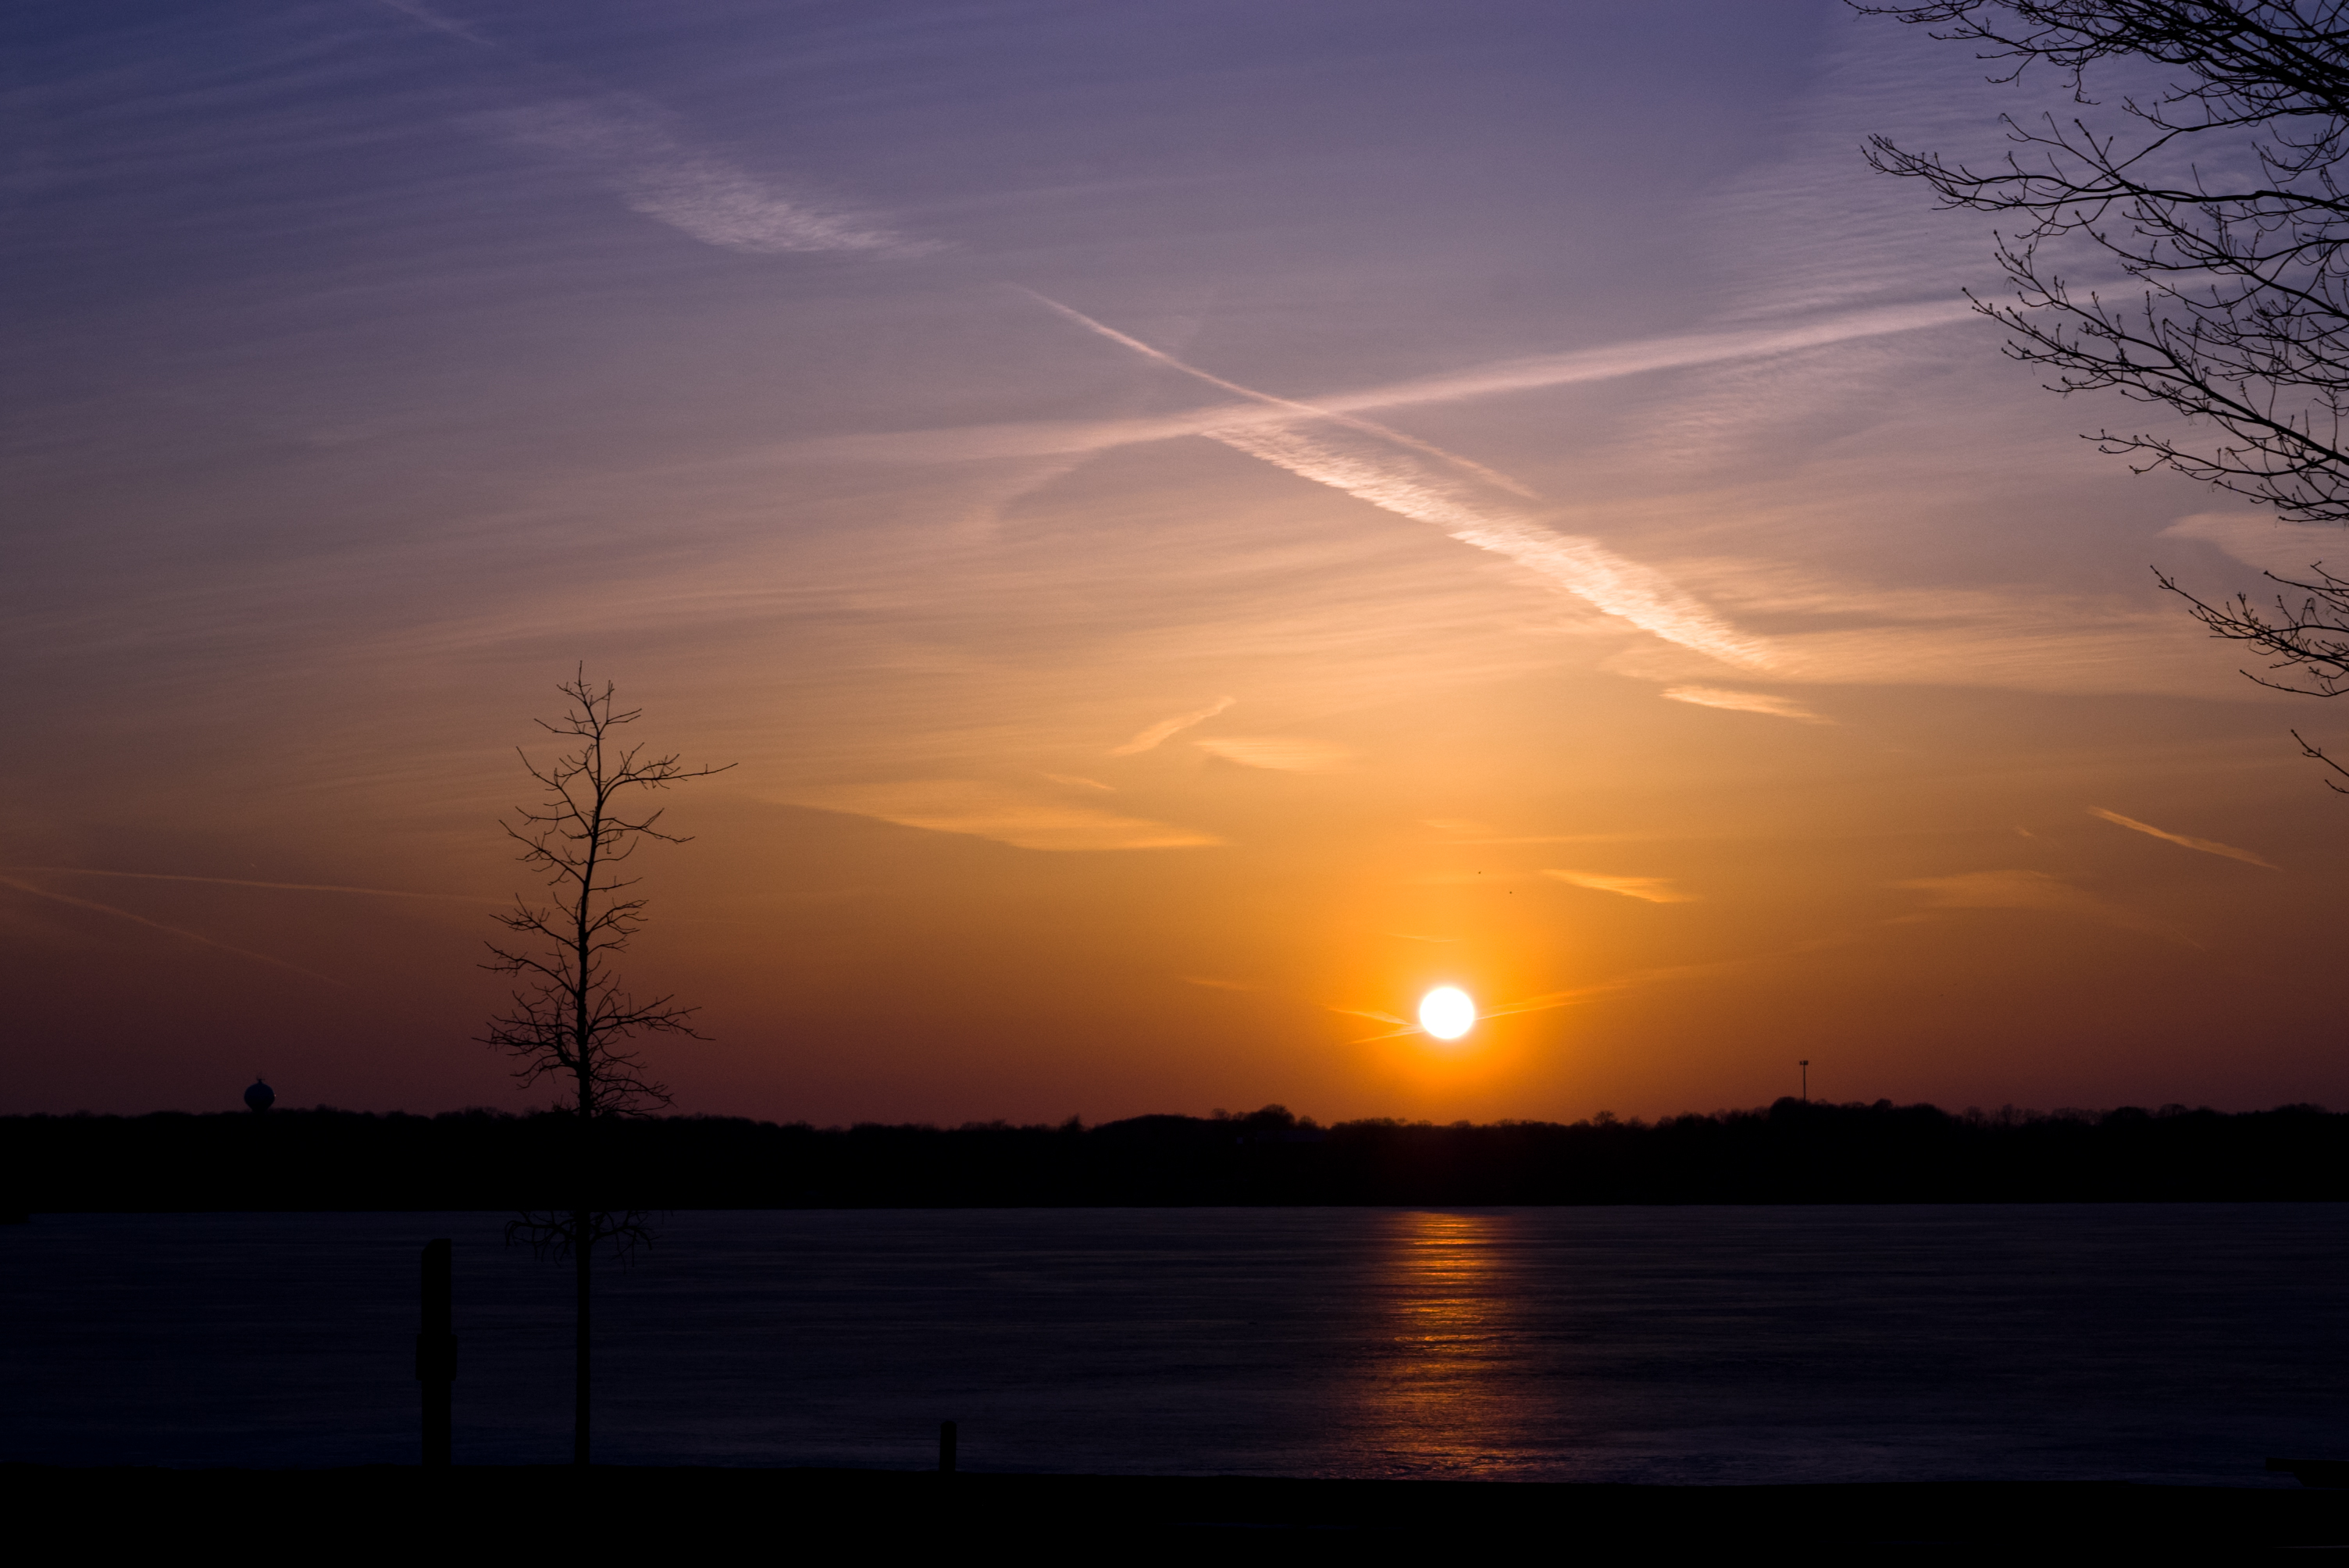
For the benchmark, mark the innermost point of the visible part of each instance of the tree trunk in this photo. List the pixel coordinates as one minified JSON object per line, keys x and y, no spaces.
{"x":580,"y":1246}
{"x":583,"y":1236}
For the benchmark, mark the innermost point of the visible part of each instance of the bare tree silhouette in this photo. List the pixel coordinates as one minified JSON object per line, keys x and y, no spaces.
{"x":2218,"y":198}
{"x":571,"y":1020}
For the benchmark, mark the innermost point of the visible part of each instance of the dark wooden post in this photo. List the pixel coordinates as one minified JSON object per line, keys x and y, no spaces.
{"x":945,"y":1448}
{"x":436,"y":1352}
{"x":583,"y":1245}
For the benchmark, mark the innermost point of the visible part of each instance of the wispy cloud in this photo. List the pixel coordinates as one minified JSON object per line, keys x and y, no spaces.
{"x":1007,"y":816}
{"x":628,"y":143}
{"x":1655,"y":889}
{"x":2029,"y":890}
{"x":1166,"y":729}
{"x":1459,"y":831}
{"x":1279,"y":754}
{"x":655,"y":173}
{"x":1834,"y":631}
{"x":1631,"y":981}
{"x":1542,"y":1004}
{"x":186,"y":935}
{"x":1078,"y":781}
{"x":1743,"y":702}
{"x":1402,"y":1026}
{"x":436,"y":21}
{"x":1210,"y":984}
{"x":1550,"y":838}
{"x":2207,"y":846}
{"x":240,"y":882}
{"x":2262,"y":539}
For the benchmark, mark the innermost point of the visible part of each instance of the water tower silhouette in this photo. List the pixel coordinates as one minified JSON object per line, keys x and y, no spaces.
{"x":260,"y":1097}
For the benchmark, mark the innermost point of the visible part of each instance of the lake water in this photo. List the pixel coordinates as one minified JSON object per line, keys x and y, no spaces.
{"x":2174,"y":1343}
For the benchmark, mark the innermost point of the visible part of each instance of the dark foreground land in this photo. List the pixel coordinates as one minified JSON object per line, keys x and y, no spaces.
{"x":688,"y":1513}
{"x":1791,"y":1152}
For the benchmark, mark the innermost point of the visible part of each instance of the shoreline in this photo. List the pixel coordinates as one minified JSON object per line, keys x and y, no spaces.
{"x":676,"y":1504}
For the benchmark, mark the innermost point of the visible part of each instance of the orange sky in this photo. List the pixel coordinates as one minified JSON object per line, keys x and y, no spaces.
{"x":1194,"y":529}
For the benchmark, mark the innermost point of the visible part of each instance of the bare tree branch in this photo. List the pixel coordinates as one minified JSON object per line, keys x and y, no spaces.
{"x":570,"y":1017}
{"x":571,"y":1020}
{"x":2311,"y":639}
{"x":2218,"y":198}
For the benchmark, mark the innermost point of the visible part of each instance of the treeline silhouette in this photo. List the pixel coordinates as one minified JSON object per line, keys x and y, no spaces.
{"x":1791,"y":1152}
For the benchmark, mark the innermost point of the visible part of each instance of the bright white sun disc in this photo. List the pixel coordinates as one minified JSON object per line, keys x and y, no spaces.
{"x":1447,"y":1013}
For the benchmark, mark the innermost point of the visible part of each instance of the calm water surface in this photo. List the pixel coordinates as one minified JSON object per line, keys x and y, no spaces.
{"x":2172,"y":1342}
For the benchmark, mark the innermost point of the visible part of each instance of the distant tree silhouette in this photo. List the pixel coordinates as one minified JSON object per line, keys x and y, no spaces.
{"x":571,"y":1020}
{"x":1793,"y":1151}
{"x":2220,"y":198}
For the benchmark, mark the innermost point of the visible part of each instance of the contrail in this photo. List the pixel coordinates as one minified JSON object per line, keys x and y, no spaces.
{"x":1640,"y":357}
{"x":1367,"y":427}
{"x":159,"y":925}
{"x":1743,"y":702}
{"x":2207,"y":846}
{"x":1394,"y":480}
{"x":1149,"y":739}
{"x":1582,"y":566}
{"x":1655,"y":889}
{"x":1647,"y":355}
{"x":1531,"y":1005}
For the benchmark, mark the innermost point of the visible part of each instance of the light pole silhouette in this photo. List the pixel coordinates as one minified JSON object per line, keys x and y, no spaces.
{"x":1805,"y":1064}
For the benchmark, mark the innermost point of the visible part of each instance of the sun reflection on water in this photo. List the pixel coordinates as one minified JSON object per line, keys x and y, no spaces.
{"x":1440,"y":1401}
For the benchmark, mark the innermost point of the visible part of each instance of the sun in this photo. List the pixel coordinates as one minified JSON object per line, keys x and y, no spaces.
{"x":1447,"y":1013}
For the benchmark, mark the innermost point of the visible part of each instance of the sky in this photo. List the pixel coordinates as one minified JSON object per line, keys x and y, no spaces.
{"x":1196,"y":523}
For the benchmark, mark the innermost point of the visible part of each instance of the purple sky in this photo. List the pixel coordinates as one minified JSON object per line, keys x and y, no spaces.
{"x":1198,"y":521}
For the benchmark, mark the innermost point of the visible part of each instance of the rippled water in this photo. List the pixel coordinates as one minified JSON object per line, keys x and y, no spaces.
{"x":2174,"y":1342}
